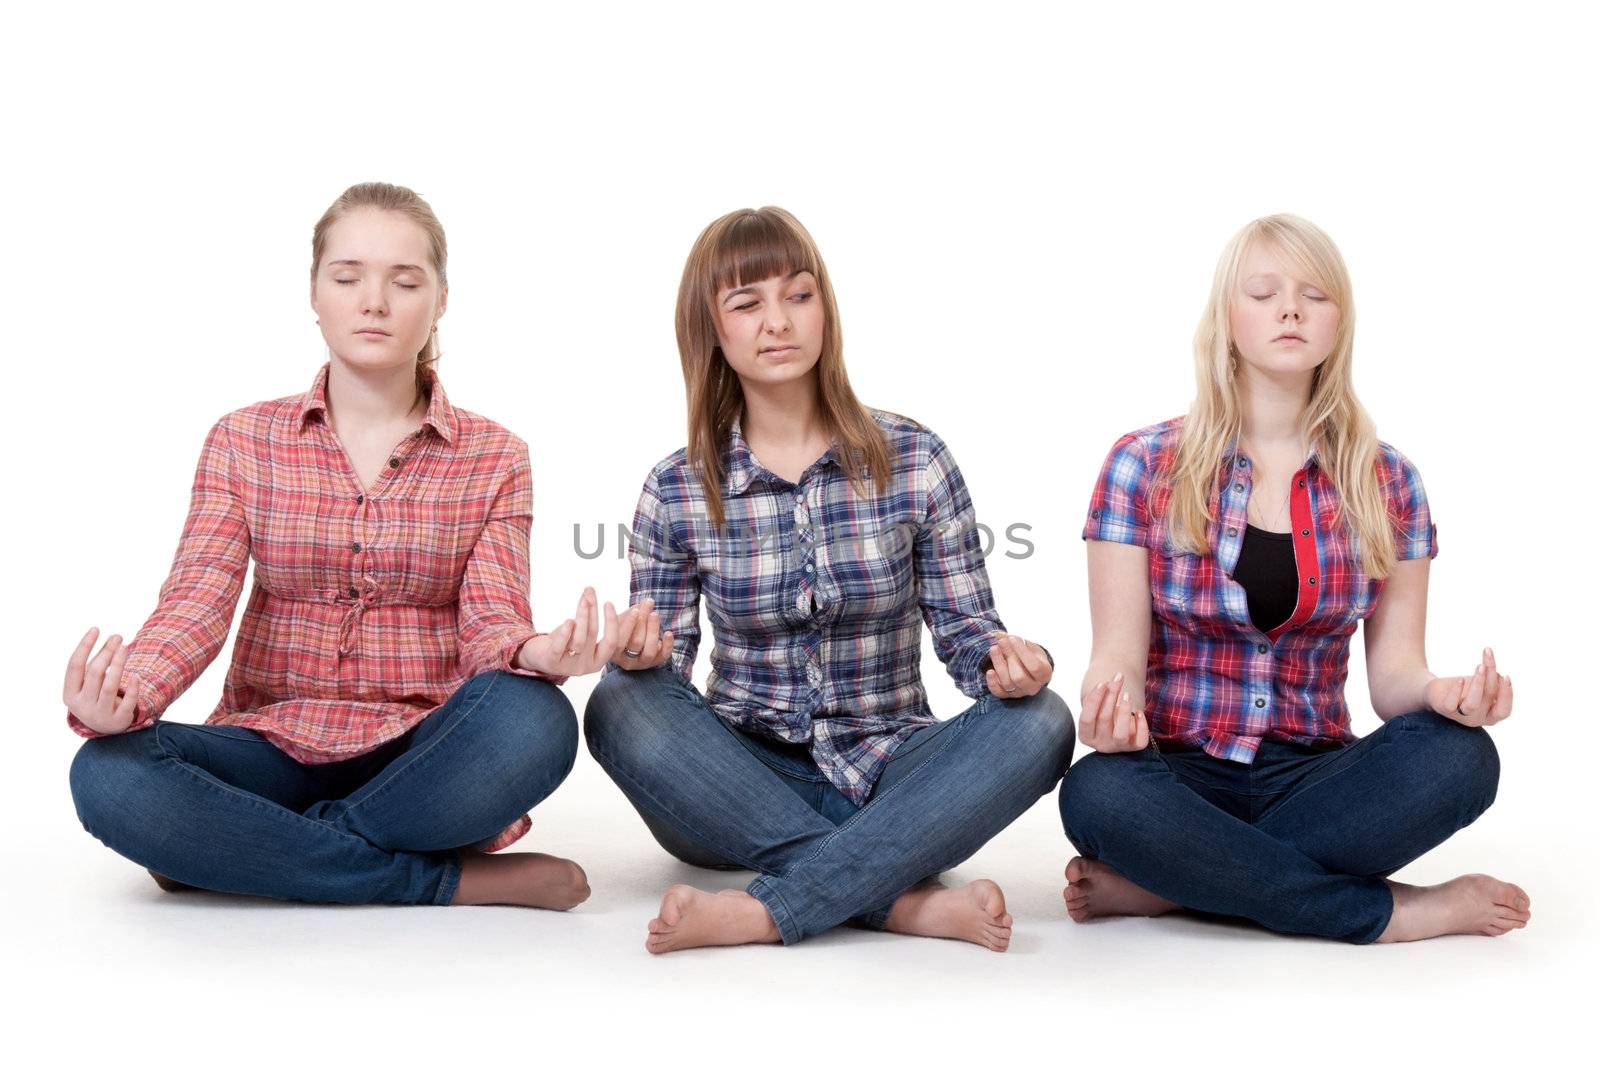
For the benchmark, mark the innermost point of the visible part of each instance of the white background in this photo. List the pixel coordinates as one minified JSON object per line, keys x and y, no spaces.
{"x":1021,"y":207}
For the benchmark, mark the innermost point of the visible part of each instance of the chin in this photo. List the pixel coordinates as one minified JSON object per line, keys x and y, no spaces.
{"x":375,"y":360}
{"x":1286,"y":364}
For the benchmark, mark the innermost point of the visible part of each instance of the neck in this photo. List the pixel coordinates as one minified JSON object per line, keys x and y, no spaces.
{"x":358,"y":397}
{"x":782,"y":415}
{"x":1272,"y":407}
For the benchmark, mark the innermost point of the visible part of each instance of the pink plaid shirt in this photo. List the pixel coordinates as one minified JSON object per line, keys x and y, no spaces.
{"x":371,"y":606}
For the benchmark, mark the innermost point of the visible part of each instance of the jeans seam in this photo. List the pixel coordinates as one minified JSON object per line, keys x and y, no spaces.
{"x":450,"y":882}
{"x":370,"y":792}
{"x":777,"y":908}
{"x":878,"y":919}
{"x":254,"y":737}
{"x":609,"y":763}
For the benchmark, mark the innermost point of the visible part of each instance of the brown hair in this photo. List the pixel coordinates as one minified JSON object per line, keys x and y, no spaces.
{"x":390,"y":198}
{"x":742,"y":247}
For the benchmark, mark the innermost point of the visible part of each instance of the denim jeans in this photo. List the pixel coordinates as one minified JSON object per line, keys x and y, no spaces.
{"x":714,"y":796}
{"x":1299,"y":841}
{"x":221,"y":808}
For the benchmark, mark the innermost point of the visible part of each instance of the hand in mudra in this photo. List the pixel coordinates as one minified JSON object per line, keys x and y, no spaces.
{"x":577,"y":646}
{"x":95,"y":691}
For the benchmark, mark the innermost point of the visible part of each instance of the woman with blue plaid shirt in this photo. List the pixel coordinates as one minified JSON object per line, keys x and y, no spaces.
{"x":821,"y":535}
{"x":1232,"y":554}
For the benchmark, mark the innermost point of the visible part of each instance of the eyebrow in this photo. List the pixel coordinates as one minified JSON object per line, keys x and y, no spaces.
{"x":752,"y":290}
{"x":392,"y":267}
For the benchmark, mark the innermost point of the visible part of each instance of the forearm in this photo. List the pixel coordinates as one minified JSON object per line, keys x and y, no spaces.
{"x":1107,"y":665}
{"x":1399,"y":690}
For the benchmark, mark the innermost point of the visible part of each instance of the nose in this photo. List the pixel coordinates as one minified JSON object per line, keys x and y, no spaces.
{"x":777,"y":318}
{"x":374,"y":299}
{"x":1290,"y":309}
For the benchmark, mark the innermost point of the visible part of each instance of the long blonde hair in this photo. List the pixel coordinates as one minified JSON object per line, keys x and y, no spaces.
{"x":391,"y":198}
{"x":747,"y":246}
{"x":1334,"y":420}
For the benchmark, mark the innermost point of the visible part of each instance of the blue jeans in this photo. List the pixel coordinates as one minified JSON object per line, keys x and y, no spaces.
{"x":221,"y":808}
{"x":716,"y":797}
{"x":1300,"y":840}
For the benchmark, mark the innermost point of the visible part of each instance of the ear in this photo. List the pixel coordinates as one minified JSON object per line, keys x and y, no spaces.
{"x":444,"y":300}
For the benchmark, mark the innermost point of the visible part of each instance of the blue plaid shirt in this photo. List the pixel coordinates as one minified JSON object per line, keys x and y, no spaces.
{"x":817,"y":595}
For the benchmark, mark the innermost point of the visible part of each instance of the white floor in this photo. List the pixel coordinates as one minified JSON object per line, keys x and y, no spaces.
{"x":101,"y":960}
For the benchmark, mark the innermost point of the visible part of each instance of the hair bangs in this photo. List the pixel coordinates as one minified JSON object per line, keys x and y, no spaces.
{"x":1305,"y":250}
{"x":759,"y":245}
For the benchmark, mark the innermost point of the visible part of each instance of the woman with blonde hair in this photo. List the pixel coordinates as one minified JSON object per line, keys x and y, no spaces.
{"x":821,"y":535}
{"x":1232,"y":554}
{"x":390,"y":713}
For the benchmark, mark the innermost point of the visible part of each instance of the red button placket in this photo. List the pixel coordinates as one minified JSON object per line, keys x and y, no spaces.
{"x":1308,"y":567}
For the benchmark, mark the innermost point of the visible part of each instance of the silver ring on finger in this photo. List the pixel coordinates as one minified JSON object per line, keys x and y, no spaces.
{"x":1011,"y":688}
{"x":632,"y":654}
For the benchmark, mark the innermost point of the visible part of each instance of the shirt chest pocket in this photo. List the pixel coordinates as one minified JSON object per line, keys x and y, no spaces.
{"x":744,"y":578}
{"x":867,"y":568}
{"x":1175,"y":577}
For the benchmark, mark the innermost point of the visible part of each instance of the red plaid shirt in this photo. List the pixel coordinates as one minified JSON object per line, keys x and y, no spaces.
{"x":371,"y":606}
{"x":1212,"y":678}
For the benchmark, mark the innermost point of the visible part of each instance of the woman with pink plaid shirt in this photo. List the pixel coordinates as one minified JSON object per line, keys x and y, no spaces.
{"x":390,"y":713}
{"x":1232,"y":554}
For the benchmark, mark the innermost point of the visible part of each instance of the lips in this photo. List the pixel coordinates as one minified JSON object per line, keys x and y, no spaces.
{"x":1289,"y":336}
{"x":374,"y":332}
{"x":779,"y":351}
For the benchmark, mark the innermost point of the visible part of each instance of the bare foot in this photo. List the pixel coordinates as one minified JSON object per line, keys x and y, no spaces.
{"x":691,"y":918}
{"x":528,"y":879}
{"x":1093,"y":889}
{"x":973,"y":913}
{"x":168,"y":884}
{"x":1471,"y":904}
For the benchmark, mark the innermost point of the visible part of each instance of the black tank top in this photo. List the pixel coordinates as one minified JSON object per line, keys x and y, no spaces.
{"x":1267,"y":572}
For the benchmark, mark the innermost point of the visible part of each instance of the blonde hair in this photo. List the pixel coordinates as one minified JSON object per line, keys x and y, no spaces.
{"x":1334,"y":420}
{"x":742,"y":247}
{"x":390,"y":198}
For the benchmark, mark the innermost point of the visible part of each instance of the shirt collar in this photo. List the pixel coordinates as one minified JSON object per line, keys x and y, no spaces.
{"x":1235,"y":452}
{"x":741,"y":467}
{"x":441,"y":416}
